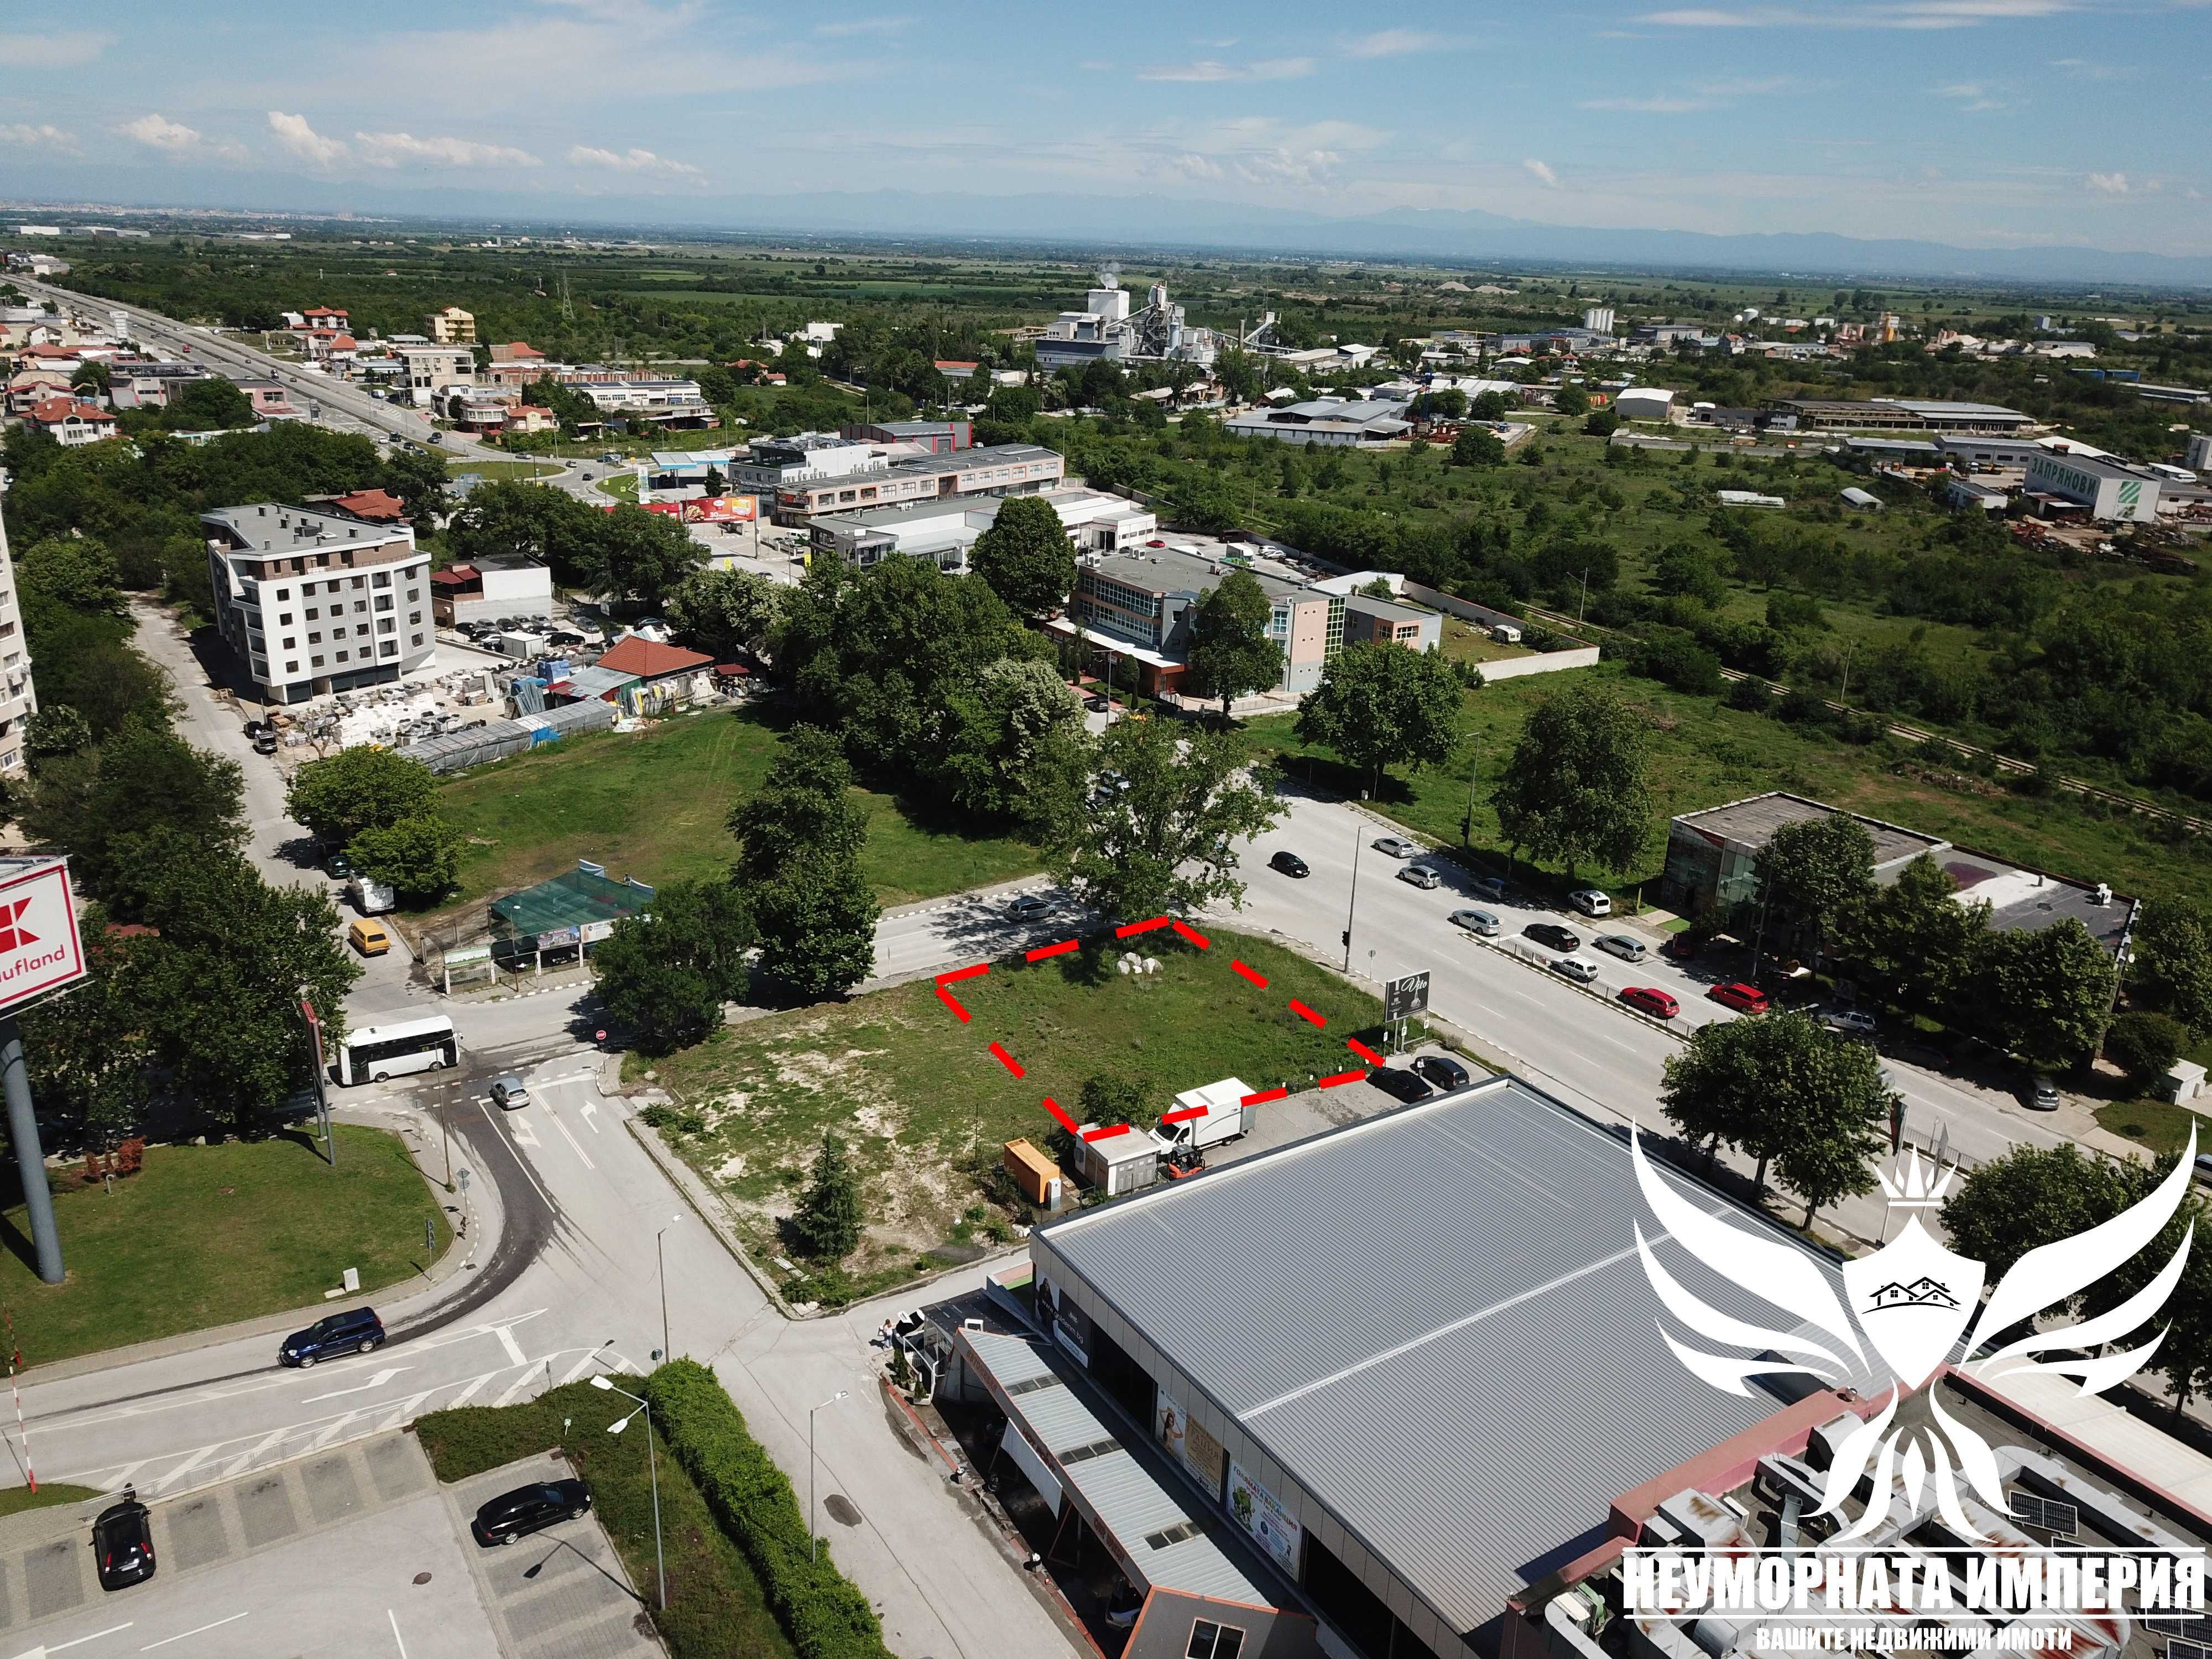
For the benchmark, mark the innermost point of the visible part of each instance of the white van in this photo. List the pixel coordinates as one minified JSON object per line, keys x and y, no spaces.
{"x":1505,"y":633}
{"x":1222,"y":1115}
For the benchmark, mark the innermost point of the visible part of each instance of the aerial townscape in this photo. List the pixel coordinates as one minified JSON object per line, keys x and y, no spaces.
{"x":994,"y":835}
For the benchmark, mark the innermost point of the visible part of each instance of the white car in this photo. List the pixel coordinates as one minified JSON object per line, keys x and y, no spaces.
{"x":1591,"y":901}
{"x":1581,"y":969}
{"x":1397,"y":847}
{"x":1621,"y":945}
{"x":1426,"y":876}
{"x":1850,"y":1022}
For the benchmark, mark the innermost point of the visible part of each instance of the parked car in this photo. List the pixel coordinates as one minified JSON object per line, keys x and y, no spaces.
{"x":1621,"y":945}
{"x":1475,"y":921}
{"x":1581,"y":969}
{"x":2042,"y":1095}
{"x":2202,"y":1173}
{"x":1397,"y":847}
{"x":1850,"y":1022}
{"x":1399,"y":1084}
{"x":123,"y":1543}
{"x":610,"y":459}
{"x":1097,"y":702}
{"x":508,"y":1092}
{"x":1745,"y":999}
{"x":1680,"y":947}
{"x":1426,"y":876}
{"x":1591,"y":901}
{"x":1030,"y":906}
{"x":264,"y":743}
{"x":1650,"y":999}
{"x":1442,"y":1072}
{"x":256,"y":728}
{"x":514,"y":1515}
{"x":1290,"y":864}
{"x":357,"y":1330}
{"x":1496,"y":889}
{"x":369,"y":937}
{"x":1552,"y":934}
{"x":338,"y":867}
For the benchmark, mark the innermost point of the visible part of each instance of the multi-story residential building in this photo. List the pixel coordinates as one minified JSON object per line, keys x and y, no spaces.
{"x":19,"y":697}
{"x":72,"y":423}
{"x":1145,"y":599}
{"x":432,"y":366}
{"x":314,"y":603}
{"x":663,"y":402}
{"x":452,"y":326}
{"x":134,"y":385}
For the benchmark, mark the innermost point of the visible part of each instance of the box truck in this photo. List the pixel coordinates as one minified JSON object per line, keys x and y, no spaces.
{"x":1221,"y":1116}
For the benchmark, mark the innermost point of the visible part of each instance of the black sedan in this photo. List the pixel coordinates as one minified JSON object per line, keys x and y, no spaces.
{"x":1398,"y":1085}
{"x":1551,"y":934}
{"x":123,"y":1544}
{"x":513,"y":1516}
{"x":1290,"y":864}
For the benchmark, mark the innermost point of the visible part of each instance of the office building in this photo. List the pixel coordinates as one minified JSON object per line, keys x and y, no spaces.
{"x":19,"y":697}
{"x":314,"y":603}
{"x":2113,"y":493}
{"x":1370,"y":621}
{"x":944,"y":529}
{"x":829,"y":475}
{"x":1139,"y":604}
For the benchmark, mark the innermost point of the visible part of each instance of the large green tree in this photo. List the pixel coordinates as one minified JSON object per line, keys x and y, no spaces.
{"x":1383,"y":705}
{"x":2030,"y":1197}
{"x":1156,"y":832}
{"x":799,"y":869}
{"x":827,"y":1224}
{"x":206,"y":406}
{"x":88,"y":1051}
{"x":664,"y":977}
{"x":2045,"y":993}
{"x":2185,"y":1350}
{"x":1009,"y":741}
{"x":1917,"y":935}
{"x":643,"y":556}
{"x":1025,"y":556}
{"x":727,"y":614}
{"x":75,"y":571}
{"x":1576,"y":787}
{"x":1777,"y":1087}
{"x":2171,"y":967}
{"x":1231,"y":654}
{"x":417,"y":857}
{"x":144,"y":795}
{"x":363,"y":787}
{"x":1813,"y":875}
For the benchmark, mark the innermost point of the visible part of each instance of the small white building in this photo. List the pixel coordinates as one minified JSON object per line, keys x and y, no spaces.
{"x":1644,"y":403}
{"x":1748,"y":498}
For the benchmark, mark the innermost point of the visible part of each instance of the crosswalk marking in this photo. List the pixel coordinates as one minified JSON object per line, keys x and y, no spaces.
{"x":576,"y":1371}
{"x":185,"y":1467}
{"x":520,"y":1385}
{"x":331,"y":1433}
{"x":470,"y":1393}
{"x":246,"y":1459}
{"x":514,"y":1354}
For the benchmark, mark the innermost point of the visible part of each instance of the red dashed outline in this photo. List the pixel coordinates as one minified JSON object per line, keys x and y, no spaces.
{"x":1183,"y":930}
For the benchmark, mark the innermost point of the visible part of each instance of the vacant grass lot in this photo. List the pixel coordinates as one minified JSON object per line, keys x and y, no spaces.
{"x":652,"y":804}
{"x":715,"y":1608}
{"x":501,"y":471}
{"x":203,"y":1235}
{"x":1705,"y":753}
{"x":925,"y":1110}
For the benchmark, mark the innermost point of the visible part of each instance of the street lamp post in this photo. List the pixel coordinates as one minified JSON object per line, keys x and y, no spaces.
{"x":653,"y":1470}
{"x":661,"y":1257}
{"x":1353,"y":906}
{"x":813,"y":1520}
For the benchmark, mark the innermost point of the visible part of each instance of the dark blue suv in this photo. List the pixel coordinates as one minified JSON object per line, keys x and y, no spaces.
{"x":354,"y":1332}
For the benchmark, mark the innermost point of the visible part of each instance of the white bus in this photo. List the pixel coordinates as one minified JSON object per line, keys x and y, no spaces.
{"x":377,"y":1052}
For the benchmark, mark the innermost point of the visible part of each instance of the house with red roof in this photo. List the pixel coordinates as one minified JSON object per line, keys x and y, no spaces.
{"x":72,"y":423}
{"x":651,"y":661}
{"x":370,"y":506}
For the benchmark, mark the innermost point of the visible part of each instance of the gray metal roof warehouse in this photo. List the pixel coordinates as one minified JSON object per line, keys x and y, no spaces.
{"x":1426,"y":1337}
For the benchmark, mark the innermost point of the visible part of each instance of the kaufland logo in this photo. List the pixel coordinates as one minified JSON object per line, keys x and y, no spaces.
{"x":14,"y":935}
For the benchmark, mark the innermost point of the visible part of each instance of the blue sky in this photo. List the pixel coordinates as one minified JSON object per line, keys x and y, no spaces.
{"x":1985,"y":123}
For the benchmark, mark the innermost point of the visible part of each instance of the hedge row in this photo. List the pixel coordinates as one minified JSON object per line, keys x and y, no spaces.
{"x":825,"y":1615}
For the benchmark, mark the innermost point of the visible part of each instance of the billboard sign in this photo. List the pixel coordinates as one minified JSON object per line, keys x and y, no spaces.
{"x":1259,"y":1513}
{"x":1406,"y":996}
{"x":721,"y":509}
{"x":39,"y":949}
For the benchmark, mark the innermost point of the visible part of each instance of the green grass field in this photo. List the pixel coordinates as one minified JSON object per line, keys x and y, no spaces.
{"x":652,"y":804}
{"x":716,"y":1607}
{"x":204,"y":1236}
{"x":13,"y":1500}
{"x":924,"y":1107}
{"x":501,"y":472}
{"x":1705,"y":753}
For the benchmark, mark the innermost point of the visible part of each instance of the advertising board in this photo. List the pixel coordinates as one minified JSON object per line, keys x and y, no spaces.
{"x":39,"y":949}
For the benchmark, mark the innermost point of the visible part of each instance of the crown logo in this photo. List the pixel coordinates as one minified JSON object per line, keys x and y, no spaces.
{"x":1917,"y":1186}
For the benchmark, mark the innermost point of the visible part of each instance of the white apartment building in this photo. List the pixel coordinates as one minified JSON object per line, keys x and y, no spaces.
{"x":313,"y":603}
{"x":19,"y":698}
{"x":430,"y":367}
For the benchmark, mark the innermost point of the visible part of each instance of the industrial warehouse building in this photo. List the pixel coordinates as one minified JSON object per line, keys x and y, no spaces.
{"x":1406,"y":1366}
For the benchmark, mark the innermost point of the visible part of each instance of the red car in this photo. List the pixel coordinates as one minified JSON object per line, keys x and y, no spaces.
{"x":1648,"y":1000}
{"x":1746,"y":998}
{"x":1680,"y":947}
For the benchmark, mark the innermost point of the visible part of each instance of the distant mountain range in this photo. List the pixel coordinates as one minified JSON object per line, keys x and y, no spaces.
{"x":1130,"y":223}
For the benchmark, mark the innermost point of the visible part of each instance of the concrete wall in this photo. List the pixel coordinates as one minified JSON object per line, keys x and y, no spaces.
{"x":1542,"y":662}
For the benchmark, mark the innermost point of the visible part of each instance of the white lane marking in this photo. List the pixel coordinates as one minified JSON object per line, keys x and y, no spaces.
{"x":524,"y":1135}
{"x":523,"y":1163}
{"x":576,"y":1145}
{"x":394,"y":1618}
{"x":514,"y":1354}
{"x":470,"y":1393}
{"x":374,"y":1384}
{"x":577,"y":1369}
{"x":331,"y":1433}
{"x":592,"y":1115}
{"x":405,"y":1409}
{"x":181,"y":1635}
{"x":79,"y":1641}
{"x":190,"y":1463}
{"x":245,"y":1460}
{"x":515,"y":1389}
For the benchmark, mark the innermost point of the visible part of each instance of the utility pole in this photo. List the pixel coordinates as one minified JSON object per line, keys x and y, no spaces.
{"x":1584,"y":606}
{"x":1350,"y":908}
{"x":1844,"y":695}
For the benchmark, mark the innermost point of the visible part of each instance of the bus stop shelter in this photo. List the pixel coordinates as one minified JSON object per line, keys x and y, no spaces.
{"x":569,"y":913}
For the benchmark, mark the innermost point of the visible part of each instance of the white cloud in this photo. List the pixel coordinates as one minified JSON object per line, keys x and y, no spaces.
{"x":303,"y":141}
{"x":1969,"y":95}
{"x":1402,"y":43}
{"x":23,"y":135}
{"x":390,"y":150}
{"x":1712,"y":94}
{"x":2109,"y":184}
{"x":632,"y":161}
{"x":65,"y":50}
{"x":1211,"y":68}
{"x":1889,"y":15}
{"x":1648,"y":106}
{"x":157,"y":131}
{"x":864,"y":25}
{"x":1543,"y":171}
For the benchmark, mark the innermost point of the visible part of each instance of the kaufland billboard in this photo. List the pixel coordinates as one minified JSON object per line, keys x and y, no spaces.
{"x":39,"y":950}
{"x":710,"y":509}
